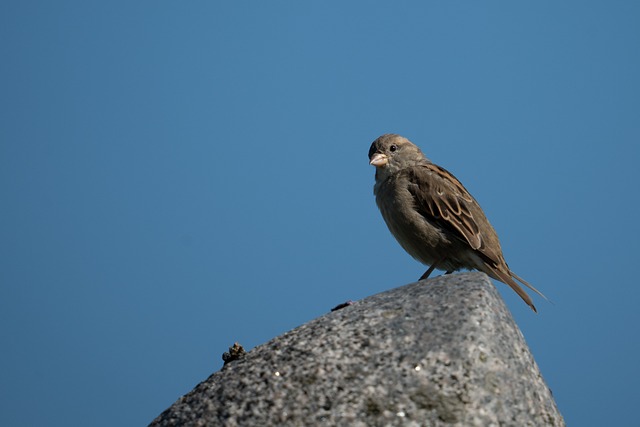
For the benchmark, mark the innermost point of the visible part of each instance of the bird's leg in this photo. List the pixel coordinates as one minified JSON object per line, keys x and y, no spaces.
{"x":428,"y":272}
{"x":433,"y":267}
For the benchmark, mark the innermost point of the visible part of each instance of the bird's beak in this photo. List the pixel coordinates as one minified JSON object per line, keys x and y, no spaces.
{"x":378,"y":160}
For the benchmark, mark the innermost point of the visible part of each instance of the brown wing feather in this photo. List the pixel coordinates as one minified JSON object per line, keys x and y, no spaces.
{"x":443,"y":199}
{"x":439,"y":195}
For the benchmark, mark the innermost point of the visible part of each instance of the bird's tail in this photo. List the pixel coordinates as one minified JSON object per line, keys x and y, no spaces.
{"x":507,"y":276}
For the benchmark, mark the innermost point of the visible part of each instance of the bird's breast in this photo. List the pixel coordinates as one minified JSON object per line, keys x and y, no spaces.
{"x":422,"y":239}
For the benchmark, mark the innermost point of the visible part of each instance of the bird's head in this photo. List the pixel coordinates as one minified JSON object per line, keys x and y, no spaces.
{"x":391,"y":153}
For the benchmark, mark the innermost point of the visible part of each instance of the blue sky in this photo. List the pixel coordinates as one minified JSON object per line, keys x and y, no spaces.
{"x":176,"y":177}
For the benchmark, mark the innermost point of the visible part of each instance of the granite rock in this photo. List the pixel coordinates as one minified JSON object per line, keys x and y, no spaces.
{"x":441,"y":352}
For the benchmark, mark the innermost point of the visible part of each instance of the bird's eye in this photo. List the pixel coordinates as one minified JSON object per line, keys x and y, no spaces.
{"x":393,"y":148}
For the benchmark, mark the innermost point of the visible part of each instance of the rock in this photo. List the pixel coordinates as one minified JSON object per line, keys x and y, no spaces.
{"x":440,"y":352}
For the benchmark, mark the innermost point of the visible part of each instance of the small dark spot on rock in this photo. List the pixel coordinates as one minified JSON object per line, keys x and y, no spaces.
{"x":373,"y":408}
{"x":343,"y":305}
{"x":236,"y":351}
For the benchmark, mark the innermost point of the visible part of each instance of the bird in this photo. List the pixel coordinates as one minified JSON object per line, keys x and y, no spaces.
{"x":433,"y":216}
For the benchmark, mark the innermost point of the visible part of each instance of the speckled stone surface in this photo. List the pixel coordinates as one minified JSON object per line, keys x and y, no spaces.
{"x":442,"y":352}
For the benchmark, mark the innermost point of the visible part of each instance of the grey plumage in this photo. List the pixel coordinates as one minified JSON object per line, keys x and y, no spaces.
{"x":432,"y":215}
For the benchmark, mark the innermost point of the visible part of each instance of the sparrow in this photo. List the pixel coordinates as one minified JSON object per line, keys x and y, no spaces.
{"x":433,"y":217}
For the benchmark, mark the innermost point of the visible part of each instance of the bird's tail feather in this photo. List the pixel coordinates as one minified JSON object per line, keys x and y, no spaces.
{"x":527,"y":284}
{"x":507,"y":277}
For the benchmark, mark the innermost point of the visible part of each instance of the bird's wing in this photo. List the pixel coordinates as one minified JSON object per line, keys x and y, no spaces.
{"x":440,"y":198}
